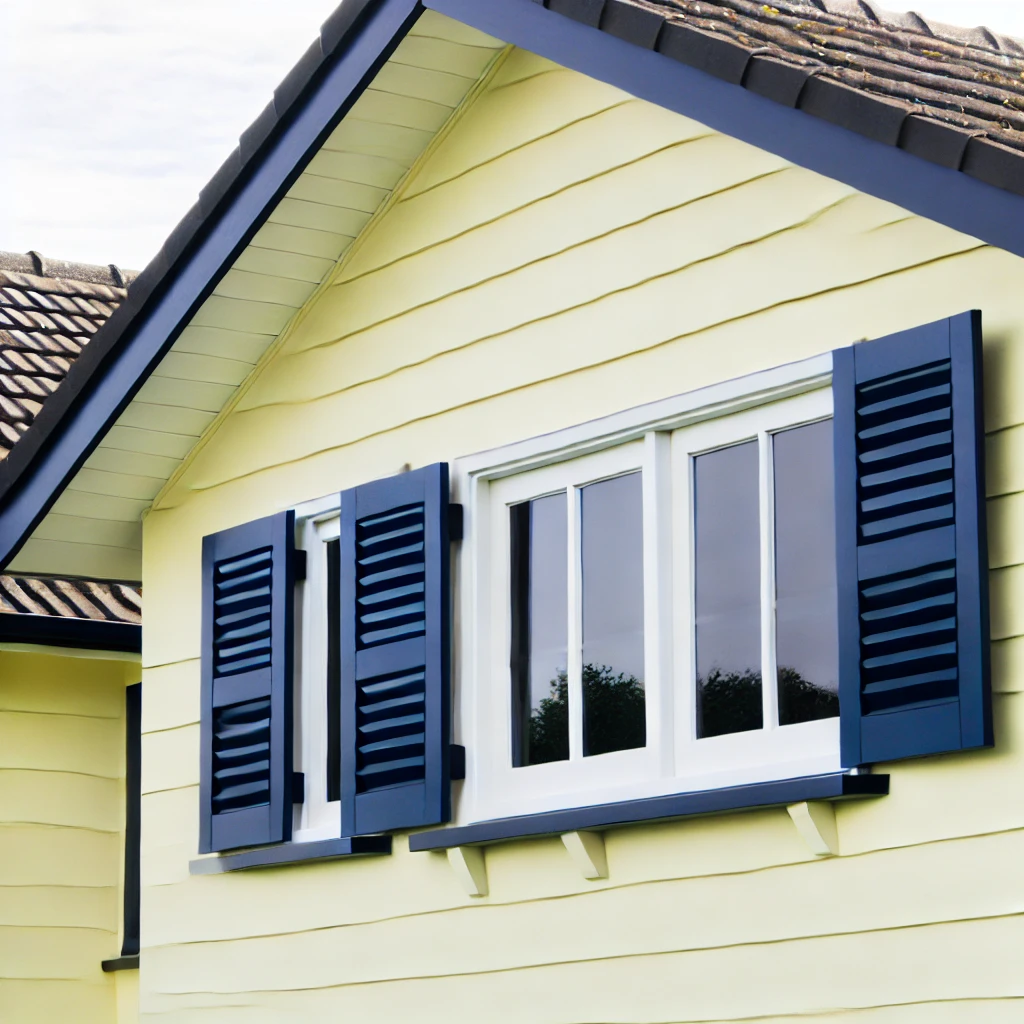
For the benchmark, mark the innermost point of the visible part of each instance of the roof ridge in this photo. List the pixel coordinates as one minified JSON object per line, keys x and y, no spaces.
{"x":37,"y":265}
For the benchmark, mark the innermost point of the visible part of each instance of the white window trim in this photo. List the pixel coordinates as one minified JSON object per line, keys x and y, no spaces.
{"x":482,"y":697}
{"x":315,"y":818}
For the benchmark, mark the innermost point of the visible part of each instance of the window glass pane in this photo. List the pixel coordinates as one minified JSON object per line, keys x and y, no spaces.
{"x":613,"y":615}
{"x":540,"y":566}
{"x":805,"y":574}
{"x":728,"y":591}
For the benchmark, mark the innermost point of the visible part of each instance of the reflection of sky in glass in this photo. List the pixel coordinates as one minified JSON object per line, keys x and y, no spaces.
{"x":728,"y":566}
{"x":728,"y":589}
{"x":549,"y":570}
{"x":613,"y":575}
{"x":806,"y":628}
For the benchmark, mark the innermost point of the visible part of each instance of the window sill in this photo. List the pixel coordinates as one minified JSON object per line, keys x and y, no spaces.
{"x":121,"y":963}
{"x":291,"y":853}
{"x":660,"y":808}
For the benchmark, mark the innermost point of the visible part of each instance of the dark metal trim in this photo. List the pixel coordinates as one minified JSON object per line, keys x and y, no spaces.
{"x":132,"y":822}
{"x":120,"y":963}
{"x":292,"y":853}
{"x":659,"y":808}
{"x":59,"y":631}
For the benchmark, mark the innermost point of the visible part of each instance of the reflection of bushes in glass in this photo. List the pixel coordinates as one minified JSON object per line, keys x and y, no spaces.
{"x":728,"y":702}
{"x":615,"y":717}
{"x":731,"y":701}
{"x":803,"y":701}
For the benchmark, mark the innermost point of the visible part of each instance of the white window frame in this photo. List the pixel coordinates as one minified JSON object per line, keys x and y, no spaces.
{"x":655,"y":438}
{"x":315,"y":818}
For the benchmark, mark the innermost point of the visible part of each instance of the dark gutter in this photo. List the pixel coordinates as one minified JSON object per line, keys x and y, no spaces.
{"x":333,"y":73}
{"x":659,"y":808}
{"x":773,"y":105}
{"x":60,"y":631}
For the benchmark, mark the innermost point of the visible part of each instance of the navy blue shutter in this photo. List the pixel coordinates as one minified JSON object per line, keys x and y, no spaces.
{"x":911,"y":544}
{"x":395,"y":702}
{"x":246,"y":725}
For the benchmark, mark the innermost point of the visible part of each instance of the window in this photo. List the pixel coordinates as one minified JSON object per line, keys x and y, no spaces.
{"x":658,"y":614}
{"x":317,"y":748}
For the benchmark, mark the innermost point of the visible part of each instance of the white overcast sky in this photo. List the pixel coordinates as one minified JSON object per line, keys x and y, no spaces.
{"x":114,"y":115}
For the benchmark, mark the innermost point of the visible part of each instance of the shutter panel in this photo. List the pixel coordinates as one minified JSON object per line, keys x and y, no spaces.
{"x":911,"y":544}
{"x":395,"y":702}
{"x":248,"y":622}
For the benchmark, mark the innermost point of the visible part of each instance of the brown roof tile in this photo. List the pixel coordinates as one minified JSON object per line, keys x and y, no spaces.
{"x":49,"y":309}
{"x":888,"y":76}
{"x":71,"y":599}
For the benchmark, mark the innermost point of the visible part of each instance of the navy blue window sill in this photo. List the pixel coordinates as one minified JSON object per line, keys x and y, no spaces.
{"x":838,"y":786}
{"x":292,"y":853}
{"x":121,"y":963}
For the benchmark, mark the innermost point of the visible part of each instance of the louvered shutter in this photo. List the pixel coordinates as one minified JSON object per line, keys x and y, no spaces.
{"x":395,"y":702}
{"x":911,"y":544}
{"x":248,"y":596}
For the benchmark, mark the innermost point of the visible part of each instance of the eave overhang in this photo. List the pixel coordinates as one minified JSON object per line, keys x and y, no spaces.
{"x":331,"y":77}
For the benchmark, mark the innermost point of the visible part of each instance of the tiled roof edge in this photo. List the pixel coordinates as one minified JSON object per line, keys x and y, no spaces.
{"x":334,"y":35}
{"x":809,"y":88}
{"x":37,"y":265}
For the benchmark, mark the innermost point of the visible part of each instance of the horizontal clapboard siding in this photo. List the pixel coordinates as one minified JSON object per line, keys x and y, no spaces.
{"x":61,"y":842}
{"x":566,"y":253}
{"x":98,"y":532}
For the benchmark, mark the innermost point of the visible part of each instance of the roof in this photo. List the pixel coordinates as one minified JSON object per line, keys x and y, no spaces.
{"x":738,"y":67}
{"x":951,"y":95}
{"x":49,"y":311}
{"x":71,"y":599}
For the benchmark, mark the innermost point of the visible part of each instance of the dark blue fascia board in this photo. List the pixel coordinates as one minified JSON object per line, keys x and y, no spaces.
{"x":938,"y":193}
{"x":82,"y":634}
{"x":183,"y":288}
{"x":292,"y":853}
{"x":835,"y":786}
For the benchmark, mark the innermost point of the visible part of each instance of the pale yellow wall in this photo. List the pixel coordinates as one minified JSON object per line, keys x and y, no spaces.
{"x":567,"y":252}
{"x":61,"y":836}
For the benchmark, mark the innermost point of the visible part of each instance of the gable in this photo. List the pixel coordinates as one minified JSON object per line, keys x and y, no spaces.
{"x":94,"y":528}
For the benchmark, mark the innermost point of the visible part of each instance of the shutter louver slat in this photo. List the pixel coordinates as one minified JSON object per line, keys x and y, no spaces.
{"x":247,"y":651}
{"x":391,"y":722}
{"x":911,"y":548}
{"x":390,"y":575}
{"x":905,"y":485}
{"x":394,"y":554}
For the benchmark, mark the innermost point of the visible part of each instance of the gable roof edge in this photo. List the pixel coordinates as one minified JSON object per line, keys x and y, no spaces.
{"x":353,"y":45}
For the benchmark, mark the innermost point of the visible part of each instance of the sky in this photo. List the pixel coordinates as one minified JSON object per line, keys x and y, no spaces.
{"x":114,"y":115}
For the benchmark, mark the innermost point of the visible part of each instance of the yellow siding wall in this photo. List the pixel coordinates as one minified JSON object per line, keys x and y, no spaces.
{"x":566,"y":252}
{"x":61,"y":837}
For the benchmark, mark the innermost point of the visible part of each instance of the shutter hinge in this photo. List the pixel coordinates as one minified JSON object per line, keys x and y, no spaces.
{"x":456,"y":522}
{"x":298,"y":787}
{"x":300,"y":564}
{"x":457,"y":761}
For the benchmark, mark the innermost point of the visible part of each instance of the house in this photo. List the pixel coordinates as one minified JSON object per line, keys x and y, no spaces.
{"x":578,"y":449}
{"x":69,"y":701}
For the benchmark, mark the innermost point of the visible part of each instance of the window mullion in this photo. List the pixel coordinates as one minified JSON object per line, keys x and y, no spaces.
{"x":575,"y":623}
{"x":769,"y":681}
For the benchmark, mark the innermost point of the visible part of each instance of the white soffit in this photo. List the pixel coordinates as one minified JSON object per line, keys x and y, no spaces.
{"x":95,"y":527}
